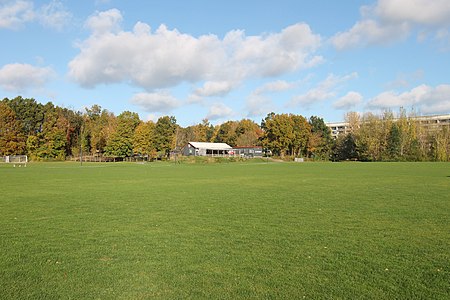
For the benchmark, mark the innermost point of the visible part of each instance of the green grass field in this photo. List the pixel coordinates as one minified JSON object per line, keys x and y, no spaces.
{"x":225,"y":231}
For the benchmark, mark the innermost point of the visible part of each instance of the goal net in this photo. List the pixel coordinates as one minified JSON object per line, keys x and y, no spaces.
{"x":19,"y":160}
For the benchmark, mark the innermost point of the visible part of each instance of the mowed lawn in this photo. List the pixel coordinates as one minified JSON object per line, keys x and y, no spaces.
{"x":225,"y":231}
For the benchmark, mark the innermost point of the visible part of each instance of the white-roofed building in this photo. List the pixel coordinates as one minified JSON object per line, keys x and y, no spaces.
{"x":206,"y":149}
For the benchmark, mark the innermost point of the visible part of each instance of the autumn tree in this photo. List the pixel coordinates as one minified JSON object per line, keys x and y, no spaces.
{"x":301,"y":135}
{"x":144,"y":139}
{"x":248,"y":133}
{"x":51,"y":142}
{"x":369,"y":139}
{"x":285,"y":134}
{"x":29,"y":112}
{"x":99,"y":125}
{"x":353,"y":119}
{"x":120,"y":143}
{"x":226,"y":133}
{"x":440,"y":144}
{"x":184,"y":136}
{"x":12,"y":140}
{"x":73,"y":123}
{"x":278,"y":133}
{"x":202,"y":132}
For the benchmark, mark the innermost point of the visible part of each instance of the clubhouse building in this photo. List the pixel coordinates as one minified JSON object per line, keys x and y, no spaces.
{"x":220,"y":150}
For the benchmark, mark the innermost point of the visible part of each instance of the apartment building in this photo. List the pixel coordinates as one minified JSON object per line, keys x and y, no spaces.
{"x":429,"y":123}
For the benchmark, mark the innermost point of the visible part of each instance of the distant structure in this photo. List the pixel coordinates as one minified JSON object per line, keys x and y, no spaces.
{"x":429,"y":123}
{"x":220,"y":150}
{"x":248,"y":151}
{"x":338,"y":128}
{"x":206,"y":149}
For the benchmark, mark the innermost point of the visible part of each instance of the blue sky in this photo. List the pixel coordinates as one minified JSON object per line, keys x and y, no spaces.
{"x":225,"y":60}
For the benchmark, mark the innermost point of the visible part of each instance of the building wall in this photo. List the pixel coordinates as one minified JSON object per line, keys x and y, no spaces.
{"x":248,"y":151}
{"x":188,"y":150}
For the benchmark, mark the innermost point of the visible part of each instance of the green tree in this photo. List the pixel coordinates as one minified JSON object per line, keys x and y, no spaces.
{"x":394,"y":142}
{"x":301,"y":135}
{"x":278,"y":133}
{"x":165,"y":134}
{"x":52,"y":140}
{"x":120,"y":143}
{"x":226,"y":133}
{"x":345,"y":148}
{"x":320,"y":141}
{"x":29,"y":113}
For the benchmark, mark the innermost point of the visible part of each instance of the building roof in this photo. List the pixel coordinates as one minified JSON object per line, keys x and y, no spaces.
{"x":211,"y":146}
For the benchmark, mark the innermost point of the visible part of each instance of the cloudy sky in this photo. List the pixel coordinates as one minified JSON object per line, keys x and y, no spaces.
{"x":229,"y":59}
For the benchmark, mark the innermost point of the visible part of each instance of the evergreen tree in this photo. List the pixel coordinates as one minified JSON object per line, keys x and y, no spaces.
{"x":394,"y":142}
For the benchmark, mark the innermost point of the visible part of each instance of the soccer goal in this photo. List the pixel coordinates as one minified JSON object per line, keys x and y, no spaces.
{"x":17,"y":160}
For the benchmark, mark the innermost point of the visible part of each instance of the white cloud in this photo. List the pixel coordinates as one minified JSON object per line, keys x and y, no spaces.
{"x":275,"y":86}
{"x":54,"y":15}
{"x":160,"y":101}
{"x":434,"y":13}
{"x":405,"y":80}
{"x":104,"y":22}
{"x":424,"y":98}
{"x":102,"y":2}
{"x":153,"y":117}
{"x":214,"y":88}
{"x":20,"y":77}
{"x":218,"y":110}
{"x":324,"y":90}
{"x":163,"y":57}
{"x":391,"y":20}
{"x":351,"y":99}
{"x":258,"y":105}
{"x":13,"y":14}
{"x":370,"y":32}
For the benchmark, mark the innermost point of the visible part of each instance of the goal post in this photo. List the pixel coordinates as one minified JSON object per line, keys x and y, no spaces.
{"x":19,"y":160}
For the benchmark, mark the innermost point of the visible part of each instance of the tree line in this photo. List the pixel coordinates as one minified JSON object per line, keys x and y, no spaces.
{"x":384,"y":137}
{"x":50,"y":132}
